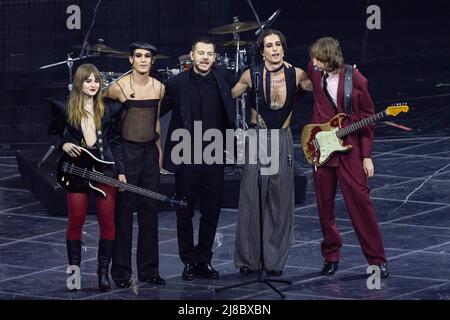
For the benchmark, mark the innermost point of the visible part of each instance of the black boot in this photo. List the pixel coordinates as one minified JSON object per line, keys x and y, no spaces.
{"x":105,"y":250}
{"x":74,"y":255}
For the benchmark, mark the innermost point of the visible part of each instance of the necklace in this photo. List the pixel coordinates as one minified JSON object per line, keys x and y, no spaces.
{"x":133,"y":94}
{"x":276,"y":70}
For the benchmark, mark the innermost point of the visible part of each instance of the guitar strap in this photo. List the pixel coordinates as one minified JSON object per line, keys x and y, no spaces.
{"x":348,"y":87}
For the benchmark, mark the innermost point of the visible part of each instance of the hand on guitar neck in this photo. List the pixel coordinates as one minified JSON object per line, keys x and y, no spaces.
{"x":122,"y":178}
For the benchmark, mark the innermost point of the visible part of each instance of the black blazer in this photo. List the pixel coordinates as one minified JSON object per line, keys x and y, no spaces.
{"x":178,"y":99}
{"x":60,"y":132}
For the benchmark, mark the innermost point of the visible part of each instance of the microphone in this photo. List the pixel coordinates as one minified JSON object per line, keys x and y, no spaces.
{"x":268,"y":22}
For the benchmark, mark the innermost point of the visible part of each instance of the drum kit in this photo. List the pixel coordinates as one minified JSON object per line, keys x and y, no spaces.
{"x":235,"y":61}
{"x":95,"y":51}
{"x":237,"y":65}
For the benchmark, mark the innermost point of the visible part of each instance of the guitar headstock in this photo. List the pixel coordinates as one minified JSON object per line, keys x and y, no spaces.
{"x":395,"y":109}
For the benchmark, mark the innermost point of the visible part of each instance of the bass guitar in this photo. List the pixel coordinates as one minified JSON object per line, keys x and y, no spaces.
{"x":78,"y":174}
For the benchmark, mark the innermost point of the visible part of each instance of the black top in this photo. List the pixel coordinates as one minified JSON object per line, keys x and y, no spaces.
{"x":179,"y":99}
{"x":107,"y":145}
{"x":207,"y":105}
{"x":138,"y":120}
{"x":275,"y":118}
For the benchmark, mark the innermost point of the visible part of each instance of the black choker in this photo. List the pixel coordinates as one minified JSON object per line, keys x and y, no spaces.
{"x":276,"y":70}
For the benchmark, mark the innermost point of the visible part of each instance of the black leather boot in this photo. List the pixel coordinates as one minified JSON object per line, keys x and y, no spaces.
{"x":74,"y":255}
{"x":105,"y":250}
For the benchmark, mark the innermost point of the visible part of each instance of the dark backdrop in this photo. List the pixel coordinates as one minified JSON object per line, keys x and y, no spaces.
{"x":407,"y":60}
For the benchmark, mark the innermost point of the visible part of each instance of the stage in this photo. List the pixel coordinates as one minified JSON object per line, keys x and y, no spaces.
{"x":38,"y":175}
{"x":405,"y":61}
{"x":409,"y":192}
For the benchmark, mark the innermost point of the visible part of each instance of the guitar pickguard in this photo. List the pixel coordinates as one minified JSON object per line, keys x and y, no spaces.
{"x":328,"y":143}
{"x":321,"y":141}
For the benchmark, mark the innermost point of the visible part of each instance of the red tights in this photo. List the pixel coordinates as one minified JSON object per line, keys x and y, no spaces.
{"x":77,"y":204}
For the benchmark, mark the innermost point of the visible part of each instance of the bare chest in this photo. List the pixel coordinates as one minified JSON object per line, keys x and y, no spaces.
{"x":135,"y":92}
{"x":278,"y":89}
{"x":89,"y":130}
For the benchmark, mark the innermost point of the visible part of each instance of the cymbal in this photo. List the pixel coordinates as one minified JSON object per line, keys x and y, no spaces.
{"x":184,"y":57}
{"x":161,"y":56}
{"x":234,"y":27}
{"x":110,"y":74}
{"x":126,"y":55}
{"x":233,"y":43}
{"x":101,"y":48}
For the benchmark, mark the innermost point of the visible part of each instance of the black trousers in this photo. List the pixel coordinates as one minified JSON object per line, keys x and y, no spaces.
{"x":203,"y":183}
{"x":141,"y":169}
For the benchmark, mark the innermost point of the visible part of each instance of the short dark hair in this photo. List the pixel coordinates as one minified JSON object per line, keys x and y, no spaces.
{"x":268,"y":32}
{"x":143,"y":45}
{"x":203,"y":39}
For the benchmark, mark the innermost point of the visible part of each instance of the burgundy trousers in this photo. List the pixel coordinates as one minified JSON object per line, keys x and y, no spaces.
{"x":352,"y":181}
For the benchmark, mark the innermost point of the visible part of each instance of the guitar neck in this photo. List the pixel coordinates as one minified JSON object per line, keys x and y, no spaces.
{"x":123,"y":185}
{"x":362,"y":123}
{"x":98,"y":177}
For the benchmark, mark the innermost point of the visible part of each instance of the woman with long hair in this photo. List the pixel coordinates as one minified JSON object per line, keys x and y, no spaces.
{"x":85,"y":120}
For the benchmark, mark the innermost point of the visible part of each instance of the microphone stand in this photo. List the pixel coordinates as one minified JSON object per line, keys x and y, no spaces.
{"x":261,"y":276}
{"x":69,"y":62}
{"x":86,"y":37}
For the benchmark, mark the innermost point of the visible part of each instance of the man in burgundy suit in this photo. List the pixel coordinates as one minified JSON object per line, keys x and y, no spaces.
{"x":350,"y":169}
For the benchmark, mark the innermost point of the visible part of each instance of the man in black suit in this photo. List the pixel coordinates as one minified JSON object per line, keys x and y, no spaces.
{"x":200,"y":95}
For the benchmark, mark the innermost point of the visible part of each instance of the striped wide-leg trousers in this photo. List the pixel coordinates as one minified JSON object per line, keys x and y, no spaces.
{"x":277,"y":211}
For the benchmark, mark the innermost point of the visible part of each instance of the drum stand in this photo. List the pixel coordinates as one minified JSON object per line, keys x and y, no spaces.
{"x":69,"y":62}
{"x":240,"y":111}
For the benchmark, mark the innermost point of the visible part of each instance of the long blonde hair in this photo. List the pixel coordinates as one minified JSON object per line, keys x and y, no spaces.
{"x":75,"y":106}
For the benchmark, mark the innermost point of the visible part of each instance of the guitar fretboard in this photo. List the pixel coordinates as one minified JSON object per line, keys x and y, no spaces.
{"x":362,"y":123}
{"x":90,"y":175}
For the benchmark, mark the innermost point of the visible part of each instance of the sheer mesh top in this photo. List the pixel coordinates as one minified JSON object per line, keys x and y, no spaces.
{"x":138,"y":120}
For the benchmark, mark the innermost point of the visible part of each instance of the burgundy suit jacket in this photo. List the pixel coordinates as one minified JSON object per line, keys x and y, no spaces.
{"x":362,"y":107}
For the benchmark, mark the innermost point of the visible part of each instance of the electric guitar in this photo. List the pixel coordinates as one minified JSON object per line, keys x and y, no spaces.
{"x":321,"y":141}
{"x":77,"y":175}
